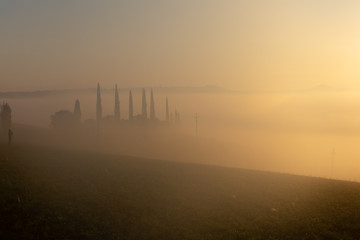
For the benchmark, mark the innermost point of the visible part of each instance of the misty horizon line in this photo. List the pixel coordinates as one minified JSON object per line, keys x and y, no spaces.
{"x":210,"y":88}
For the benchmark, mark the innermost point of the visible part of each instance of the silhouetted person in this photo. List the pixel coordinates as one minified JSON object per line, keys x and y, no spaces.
{"x":10,"y":133}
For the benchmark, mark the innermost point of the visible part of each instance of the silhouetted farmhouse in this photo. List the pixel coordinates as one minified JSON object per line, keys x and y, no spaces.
{"x":63,"y":120}
{"x":66,"y":120}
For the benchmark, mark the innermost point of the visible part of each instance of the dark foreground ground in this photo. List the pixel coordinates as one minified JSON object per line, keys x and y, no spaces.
{"x":53,"y":194}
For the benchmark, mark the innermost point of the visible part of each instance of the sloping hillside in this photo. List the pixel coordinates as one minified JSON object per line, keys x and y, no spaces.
{"x":49,"y":193}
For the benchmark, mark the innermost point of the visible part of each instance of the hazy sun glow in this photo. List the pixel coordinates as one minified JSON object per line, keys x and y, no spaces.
{"x":243,"y":45}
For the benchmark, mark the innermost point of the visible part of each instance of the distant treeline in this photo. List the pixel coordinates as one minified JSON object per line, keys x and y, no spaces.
{"x":65,"y":119}
{"x":47,"y":93}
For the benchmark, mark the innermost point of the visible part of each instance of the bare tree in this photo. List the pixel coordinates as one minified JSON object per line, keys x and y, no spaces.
{"x":6,"y":117}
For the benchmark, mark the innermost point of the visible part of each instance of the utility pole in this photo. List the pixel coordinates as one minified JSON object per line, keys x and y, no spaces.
{"x":333,"y":153}
{"x":196,"y":123}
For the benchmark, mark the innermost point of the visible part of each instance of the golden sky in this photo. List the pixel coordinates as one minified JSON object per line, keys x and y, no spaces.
{"x":243,"y":45}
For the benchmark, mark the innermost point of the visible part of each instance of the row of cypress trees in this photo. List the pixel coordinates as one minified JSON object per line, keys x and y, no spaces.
{"x":142,"y":116}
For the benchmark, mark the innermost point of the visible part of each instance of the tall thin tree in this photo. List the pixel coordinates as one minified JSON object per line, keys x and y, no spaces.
{"x":131,"y":106}
{"x":152,"y":106}
{"x":144,"y":107}
{"x":167,"y":109}
{"x":117,"y":104}
{"x":77,"y":111}
{"x":98,"y":105}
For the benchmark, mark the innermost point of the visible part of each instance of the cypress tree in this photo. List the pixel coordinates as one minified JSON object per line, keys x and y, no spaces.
{"x":98,"y":105}
{"x":117,"y":104}
{"x":131,"y":108}
{"x":152,"y":106}
{"x":77,"y":111}
{"x":144,"y":107}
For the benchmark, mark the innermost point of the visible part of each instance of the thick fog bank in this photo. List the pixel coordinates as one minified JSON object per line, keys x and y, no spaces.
{"x":308,"y":133}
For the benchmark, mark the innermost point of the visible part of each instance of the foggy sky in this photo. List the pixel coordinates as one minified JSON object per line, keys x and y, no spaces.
{"x":242,"y":45}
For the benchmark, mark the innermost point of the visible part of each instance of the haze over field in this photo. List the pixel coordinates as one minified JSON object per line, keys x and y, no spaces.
{"x":179,"y":119}
{"x":293,"y":132}
{"x":290,"y":68}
